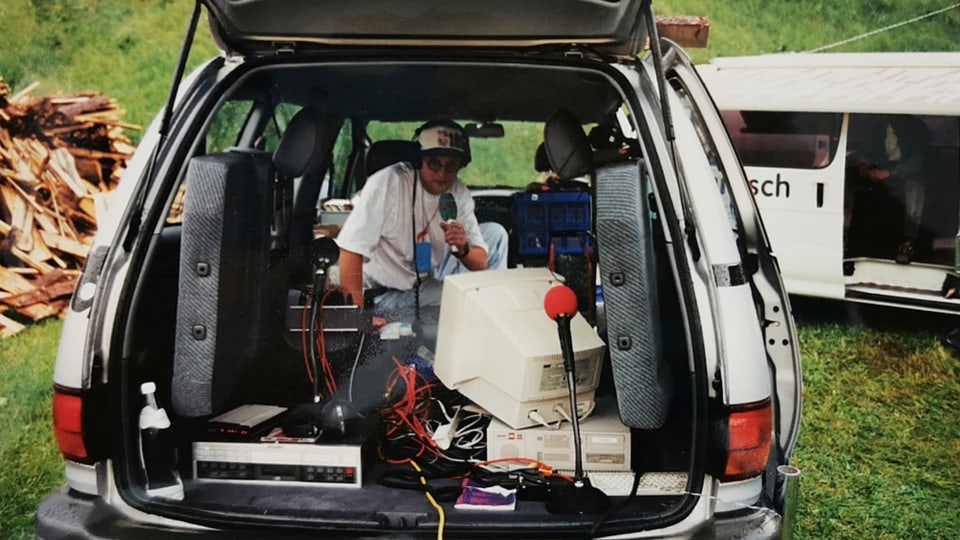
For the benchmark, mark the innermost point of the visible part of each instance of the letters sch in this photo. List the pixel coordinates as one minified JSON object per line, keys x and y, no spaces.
{"x":776,"y":187}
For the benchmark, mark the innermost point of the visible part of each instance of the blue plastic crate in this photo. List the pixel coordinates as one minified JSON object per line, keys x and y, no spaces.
{"x":559,"y":217}
{"x":572,"y":244}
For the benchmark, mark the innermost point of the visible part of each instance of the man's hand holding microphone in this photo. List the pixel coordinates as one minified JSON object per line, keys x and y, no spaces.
{"x":454,"y":234}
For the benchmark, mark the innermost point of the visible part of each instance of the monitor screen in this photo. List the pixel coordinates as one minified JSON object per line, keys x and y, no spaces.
{"x":496,"y":345}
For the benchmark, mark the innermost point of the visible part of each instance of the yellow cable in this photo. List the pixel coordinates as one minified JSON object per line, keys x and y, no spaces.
{"x":432,"y":501}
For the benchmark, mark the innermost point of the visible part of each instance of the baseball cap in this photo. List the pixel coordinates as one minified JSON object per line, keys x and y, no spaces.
{"x":444,"y":138}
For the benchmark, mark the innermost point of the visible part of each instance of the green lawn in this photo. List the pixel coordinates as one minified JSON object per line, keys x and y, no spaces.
{"x":878,"y":445}
{"x":880,"y":439}
{"x":30,"y":463}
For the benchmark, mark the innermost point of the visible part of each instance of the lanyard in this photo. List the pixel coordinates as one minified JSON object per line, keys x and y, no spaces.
{"x":418,"y":237}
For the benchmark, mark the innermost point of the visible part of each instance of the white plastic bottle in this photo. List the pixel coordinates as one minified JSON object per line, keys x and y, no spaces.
{"x":158,"y":453}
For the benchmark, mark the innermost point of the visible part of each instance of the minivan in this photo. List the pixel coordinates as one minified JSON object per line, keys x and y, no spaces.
{"x":815,"y":133}
{"x":211,"y":382}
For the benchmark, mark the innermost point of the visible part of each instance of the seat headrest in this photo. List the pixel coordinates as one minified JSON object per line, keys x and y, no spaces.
{"x":567,"y":146}
{"x":299,"y":146}
{"x":385,"y":153}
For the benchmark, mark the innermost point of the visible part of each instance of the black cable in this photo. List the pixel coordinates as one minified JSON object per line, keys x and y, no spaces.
{"x":413,"y":237}
{"x":597,"y":523}
{"x":406,"y":479}
{"x":401,"y":478}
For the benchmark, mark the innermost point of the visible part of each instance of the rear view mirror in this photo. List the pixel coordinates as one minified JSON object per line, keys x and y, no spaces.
{"x":484,"y":131}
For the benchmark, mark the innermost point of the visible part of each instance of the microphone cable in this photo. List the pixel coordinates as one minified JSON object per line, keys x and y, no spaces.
{"x":413,"y":239}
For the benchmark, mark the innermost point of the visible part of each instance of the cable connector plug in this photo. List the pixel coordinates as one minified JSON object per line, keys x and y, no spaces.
{"x":538,"y":418}
{"x":445,"y":434}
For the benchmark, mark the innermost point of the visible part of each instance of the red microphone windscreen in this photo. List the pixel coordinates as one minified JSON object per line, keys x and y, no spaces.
{"x":560,"y":300}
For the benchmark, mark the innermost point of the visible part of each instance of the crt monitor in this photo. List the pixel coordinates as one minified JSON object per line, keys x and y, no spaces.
{"x":496,"y":345}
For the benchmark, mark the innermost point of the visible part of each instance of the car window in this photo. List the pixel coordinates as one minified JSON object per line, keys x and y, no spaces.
{"x":784,"y":139}
{"x":227,"y":125}
{"x":506,"y":161}
{"x":341,"y":153}
{"x":713,"y":157}
{"x":232,"y":125}
{"x":282,"y":114}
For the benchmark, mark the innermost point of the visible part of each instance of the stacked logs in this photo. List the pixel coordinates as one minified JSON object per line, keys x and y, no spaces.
{"x":60,"y":157}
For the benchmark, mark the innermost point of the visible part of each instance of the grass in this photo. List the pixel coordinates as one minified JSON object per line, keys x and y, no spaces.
{"x":880,"y":439}
{"x":30,"y":465}
{"x":125,"y":49}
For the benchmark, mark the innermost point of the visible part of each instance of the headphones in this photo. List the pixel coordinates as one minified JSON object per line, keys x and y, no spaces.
{"x":453,"y":127}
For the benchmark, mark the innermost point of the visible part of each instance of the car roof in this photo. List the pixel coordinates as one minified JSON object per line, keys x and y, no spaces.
{"x":264,"y":25}
{"x":896,"y":83}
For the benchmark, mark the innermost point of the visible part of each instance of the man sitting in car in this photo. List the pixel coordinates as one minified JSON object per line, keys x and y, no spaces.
{"x":400,"y":242}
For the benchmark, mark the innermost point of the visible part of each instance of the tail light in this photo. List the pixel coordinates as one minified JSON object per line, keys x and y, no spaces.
{"x":68,"y":416}
{"x":742,"y":437}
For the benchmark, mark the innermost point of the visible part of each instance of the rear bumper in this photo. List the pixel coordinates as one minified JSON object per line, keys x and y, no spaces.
{"x":67,"y":515}
{"x":752,"y":524}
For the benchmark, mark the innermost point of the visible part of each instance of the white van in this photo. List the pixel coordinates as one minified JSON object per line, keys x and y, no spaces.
{"x":854,"y":160}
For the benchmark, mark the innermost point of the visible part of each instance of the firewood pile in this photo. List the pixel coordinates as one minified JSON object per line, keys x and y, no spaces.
{"x":60,"y":157}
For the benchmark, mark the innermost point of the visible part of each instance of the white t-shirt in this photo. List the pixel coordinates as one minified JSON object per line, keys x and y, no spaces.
{"x":379,"y":227}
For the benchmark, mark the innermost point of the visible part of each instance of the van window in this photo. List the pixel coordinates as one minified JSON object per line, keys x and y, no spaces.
{"x":784,"y":139}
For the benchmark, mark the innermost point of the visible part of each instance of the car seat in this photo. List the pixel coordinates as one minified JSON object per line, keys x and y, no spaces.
{"x":236,"y":219}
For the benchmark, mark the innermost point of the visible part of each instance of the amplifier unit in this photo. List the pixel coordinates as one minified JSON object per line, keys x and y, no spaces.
{"x":605,"y":442}
{"x":335,"y":465}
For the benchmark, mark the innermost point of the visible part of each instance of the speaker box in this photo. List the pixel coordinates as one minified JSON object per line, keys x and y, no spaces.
{"x":628,"y":276}
{"x":224,"y":255}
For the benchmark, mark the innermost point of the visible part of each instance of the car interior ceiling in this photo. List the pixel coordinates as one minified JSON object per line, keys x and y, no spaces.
{"x":392,"y":92}
{"x":274,"y":371}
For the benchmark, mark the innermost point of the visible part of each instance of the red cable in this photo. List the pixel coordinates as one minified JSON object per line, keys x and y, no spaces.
{"x":411,"y":410}
{"x":542,"y":467}
{"x":303,"y":340}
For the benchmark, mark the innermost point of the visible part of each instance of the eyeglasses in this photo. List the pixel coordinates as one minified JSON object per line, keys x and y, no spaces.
{"x":448,"y":165}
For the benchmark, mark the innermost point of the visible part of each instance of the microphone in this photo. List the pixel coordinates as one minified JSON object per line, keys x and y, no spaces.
{"x":560,"y":303}
{"x":448,"y":210}
{"x":578,"y":497}
{"x":325,"y":252}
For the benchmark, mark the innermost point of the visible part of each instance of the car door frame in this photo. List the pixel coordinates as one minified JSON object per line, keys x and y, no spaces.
{"x":761,"y":265}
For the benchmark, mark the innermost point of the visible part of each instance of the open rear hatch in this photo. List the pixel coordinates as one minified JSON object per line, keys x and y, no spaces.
{"x":250,"y":288}
{"x":614,"y":27}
